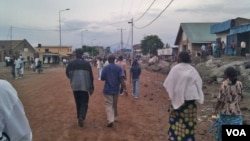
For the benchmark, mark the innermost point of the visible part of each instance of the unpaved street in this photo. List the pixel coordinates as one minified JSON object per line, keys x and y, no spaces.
{"x":50,"y":108}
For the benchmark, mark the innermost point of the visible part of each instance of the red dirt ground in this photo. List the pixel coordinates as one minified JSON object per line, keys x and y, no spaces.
{"x":50,"y":108}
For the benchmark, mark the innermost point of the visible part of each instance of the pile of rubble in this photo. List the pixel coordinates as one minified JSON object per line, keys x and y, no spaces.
{"x":212,"y":72}
{"x":211,"y":69}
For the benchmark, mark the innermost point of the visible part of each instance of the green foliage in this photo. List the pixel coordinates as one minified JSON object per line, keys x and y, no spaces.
{"x":107,"y":50}
{"x":91,"y":50}
{"x":150,"y":44}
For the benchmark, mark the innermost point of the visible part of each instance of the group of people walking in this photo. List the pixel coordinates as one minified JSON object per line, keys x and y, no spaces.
{"x":19,"y":64}
{"x":112,"y":72}
{"x":183,"y":85}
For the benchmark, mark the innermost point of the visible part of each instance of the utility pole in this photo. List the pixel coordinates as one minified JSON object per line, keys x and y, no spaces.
{"x":132,"y":24}
{"x":121,"y":37}
{"x":82,"y":37}
{"x":11,"y":32}
{"x":60,"y":36}
{"x":11,"y":39}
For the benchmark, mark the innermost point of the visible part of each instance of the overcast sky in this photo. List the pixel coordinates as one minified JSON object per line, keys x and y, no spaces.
{"x":105,"y":22}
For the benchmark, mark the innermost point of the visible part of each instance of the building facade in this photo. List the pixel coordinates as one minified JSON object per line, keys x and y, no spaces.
{"x":12,"y":48}
{"x":236,"y":30}
{"x":53,"y":54}
{"x":191,"y":36}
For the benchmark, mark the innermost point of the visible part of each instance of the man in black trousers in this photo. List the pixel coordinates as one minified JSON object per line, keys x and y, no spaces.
{"x":80,"y":73}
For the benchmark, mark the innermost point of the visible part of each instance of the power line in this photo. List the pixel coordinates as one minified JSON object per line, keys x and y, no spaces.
{"x":37,"y":29}
{"x":145,"y":11}
{"x":156,"y":16}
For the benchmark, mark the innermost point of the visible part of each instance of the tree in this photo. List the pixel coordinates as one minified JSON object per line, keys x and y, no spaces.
{"x":91,"y":50}
{"x":107,"y":50}
{"x":150,"y":44}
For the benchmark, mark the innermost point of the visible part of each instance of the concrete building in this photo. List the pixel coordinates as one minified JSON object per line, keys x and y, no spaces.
{"x":191,"y":36}
{"x":237,"y":29}
{"x":52,"y":54}
{"x":13,"y":48}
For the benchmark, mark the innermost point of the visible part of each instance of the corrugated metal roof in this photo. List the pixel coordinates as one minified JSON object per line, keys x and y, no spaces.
{"x":240,"y":29}
{"x":198,"y":32}
{"x":9,"y":44}
{"x":54,"y":47}
{"x":229,"y":24}
{"x":221,"y":27}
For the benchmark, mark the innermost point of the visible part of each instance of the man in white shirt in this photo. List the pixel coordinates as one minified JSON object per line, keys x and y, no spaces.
{"x":120,"y":62}
{"x":243,"y":48}
{"x":14,"y":125}
{"x":7,"y":60}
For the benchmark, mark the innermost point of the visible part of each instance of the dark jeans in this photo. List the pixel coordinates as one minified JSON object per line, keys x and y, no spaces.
{"x":81,"y":100}
{"x":243,"y":52}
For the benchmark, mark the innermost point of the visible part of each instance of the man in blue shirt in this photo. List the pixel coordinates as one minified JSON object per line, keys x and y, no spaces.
{"x":113,"y":75}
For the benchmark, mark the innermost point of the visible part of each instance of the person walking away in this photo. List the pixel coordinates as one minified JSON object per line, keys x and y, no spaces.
{"x":17,"y":67}
{"x":99,"y":67}
{"x":22,"y":67}
{"x":36,"y":64}
{"x":209,"y":49}
{"x":32,"y":64}
{"x":80,"y":73}
{"x":7,"y":60}
{"x":228,"y":102}
{"x":113,"y":76}
{"x":14,"y":125}
{"x":122,"y":64}
{"x":135,"y":72}
{"x":13,"y":67}
{"x":105,"y":62}
{"x":39,"y":66}
{"x":243,"y":48}
{"x":64,"y":62}
{"x":223,"y":45}
{"x":233,"y":47}
{"x":219,"y":48}
{"x":215,"y":49}
{"x":184,"y":87}
{"x":203,"y":51}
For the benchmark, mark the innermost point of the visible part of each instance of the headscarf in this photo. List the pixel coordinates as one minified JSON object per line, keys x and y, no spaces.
{"x":183,"y":83}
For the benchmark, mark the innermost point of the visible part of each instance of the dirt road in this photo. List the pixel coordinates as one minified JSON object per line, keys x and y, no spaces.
{"x":50,"y":108}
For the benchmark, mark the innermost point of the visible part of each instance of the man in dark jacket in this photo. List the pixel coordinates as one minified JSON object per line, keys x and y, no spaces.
{"x":81,"y":78}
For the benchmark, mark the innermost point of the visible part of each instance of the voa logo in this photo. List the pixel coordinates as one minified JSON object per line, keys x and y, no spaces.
{"x":236,"y":132}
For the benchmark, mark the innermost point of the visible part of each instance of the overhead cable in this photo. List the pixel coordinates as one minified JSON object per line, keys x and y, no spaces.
{"x":157,"y":16}
{"x":145,"y":11}
{"x":37,"y":29}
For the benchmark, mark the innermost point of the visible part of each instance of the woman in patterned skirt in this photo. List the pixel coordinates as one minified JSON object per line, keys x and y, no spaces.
{"x":228,"y":104}
{"x":184,"y":86}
